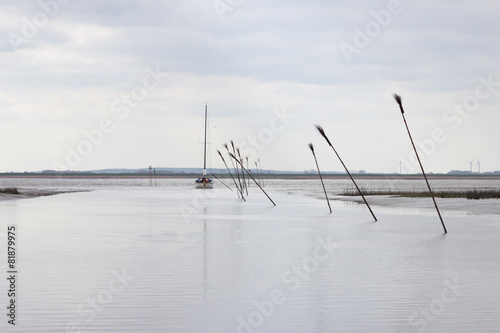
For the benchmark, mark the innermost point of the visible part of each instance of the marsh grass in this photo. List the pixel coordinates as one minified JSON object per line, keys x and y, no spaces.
{"x":468,"y":194}
{"x":9,"y":190}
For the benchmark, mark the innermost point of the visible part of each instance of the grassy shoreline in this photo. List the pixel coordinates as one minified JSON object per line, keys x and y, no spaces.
{"x":467,"y":194}
{"x":10,"y":193}
{"x":9,"y":190}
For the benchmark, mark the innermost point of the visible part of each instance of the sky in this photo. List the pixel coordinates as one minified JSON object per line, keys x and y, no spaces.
{"x":88,"y":85}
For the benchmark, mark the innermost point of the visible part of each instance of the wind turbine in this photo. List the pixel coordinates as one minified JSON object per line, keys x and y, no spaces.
{"x":478,"y":166}
{"x":471,"y":165}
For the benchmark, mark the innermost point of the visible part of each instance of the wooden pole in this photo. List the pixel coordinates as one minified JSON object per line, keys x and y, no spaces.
{"x":400,"y":103}
{"x":320,"y":177}
{"x":322,"y":132}
{"x":252,"y":177}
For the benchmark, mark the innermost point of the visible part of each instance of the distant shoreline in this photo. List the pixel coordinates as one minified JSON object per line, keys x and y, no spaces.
{"x":76,"y":175}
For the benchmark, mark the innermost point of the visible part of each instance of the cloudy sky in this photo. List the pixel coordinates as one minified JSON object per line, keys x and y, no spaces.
{"x":123,"y":83}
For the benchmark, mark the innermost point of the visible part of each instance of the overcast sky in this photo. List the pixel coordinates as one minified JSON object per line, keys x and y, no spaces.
{"x":123,"y":83}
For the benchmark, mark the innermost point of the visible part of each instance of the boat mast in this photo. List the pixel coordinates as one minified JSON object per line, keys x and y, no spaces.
{"x":205,"y":146}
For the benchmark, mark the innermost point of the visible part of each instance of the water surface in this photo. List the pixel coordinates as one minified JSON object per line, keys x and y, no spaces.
{"x":130,"y":258}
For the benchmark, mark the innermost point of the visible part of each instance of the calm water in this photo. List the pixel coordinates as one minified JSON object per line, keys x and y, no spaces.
{"x":302,"y":186}
{"x":129,"y":258}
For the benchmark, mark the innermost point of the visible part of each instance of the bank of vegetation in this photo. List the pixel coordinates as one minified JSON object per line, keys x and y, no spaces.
{"x":468,"y":194}
{"x":9,"y":190}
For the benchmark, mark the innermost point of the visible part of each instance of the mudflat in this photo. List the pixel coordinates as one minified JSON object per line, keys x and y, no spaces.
{"x":30,"y":193}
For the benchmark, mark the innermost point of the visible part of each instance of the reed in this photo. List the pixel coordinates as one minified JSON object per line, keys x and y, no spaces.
{"x":234,"y":180}
{"x":483,"y":194}
{"x":9,"y":190}
{"x":261,"y":175}
{"x":257,"y":171}
{"x":252,"y":178}
{"x":400,"y":103}
{"x":323,"y":134}
{"x":242,"y":173}
{"x":320,"y":176}
{"x":236,"y":168}
{"x":248,"y":168}
{"x":471,"y":194}
{"x":227,"y":148}
{"x":221,"y":182}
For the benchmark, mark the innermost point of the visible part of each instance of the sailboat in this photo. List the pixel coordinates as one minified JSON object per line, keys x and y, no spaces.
{"x":204,"y":182}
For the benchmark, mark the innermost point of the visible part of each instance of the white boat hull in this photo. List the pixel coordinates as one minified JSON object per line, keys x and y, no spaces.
{"x":204,"y":186}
